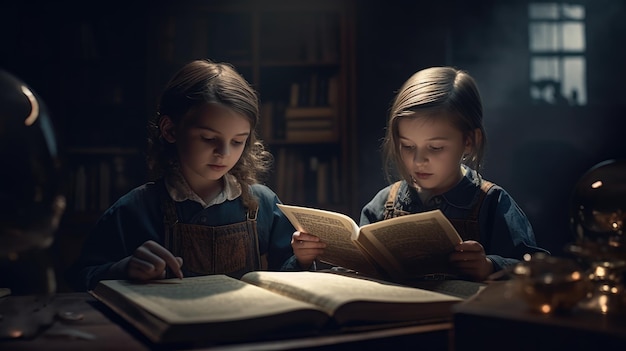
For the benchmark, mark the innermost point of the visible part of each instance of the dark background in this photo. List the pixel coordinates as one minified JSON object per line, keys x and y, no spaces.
{"x":537,"y":153}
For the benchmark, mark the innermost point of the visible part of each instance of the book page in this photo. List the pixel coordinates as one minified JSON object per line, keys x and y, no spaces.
{"x":337,"y":230}
{"x":412,"y":245}
{"x":354,"y":298}
{"x":203,"y":299}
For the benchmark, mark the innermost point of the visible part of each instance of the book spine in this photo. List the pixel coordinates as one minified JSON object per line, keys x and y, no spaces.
{"x":267,"y":116}
{"x":278,"y":118}
{"x":305,"y":112}
{"x":310,"y":123}
{"x":311,"y":135}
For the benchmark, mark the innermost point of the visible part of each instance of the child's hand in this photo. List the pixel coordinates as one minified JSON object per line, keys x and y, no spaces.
{"x":150,"y":260}
{"x":306,"y":248}
{"x":470,"y":259}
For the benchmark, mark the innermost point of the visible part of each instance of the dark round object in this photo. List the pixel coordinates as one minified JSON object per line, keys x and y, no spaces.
{"x":31,"y":195}
{"x":598,"y":211}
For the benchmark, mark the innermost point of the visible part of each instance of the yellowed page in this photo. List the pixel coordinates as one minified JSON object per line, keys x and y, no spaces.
{"x":337,"y":230}
{"x":360,"y":299}
{"x":212,"y":298}
{"x":411,"y":245}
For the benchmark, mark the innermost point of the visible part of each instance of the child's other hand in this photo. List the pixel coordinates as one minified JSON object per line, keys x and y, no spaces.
{"x":470,"y":259}
{"x":306,"y":248}
{"x":150,"y":260}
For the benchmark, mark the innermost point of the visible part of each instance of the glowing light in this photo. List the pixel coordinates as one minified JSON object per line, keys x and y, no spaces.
{"x":548,"y":278}
{"x":596,"y":184}
{"x":545,"y":308}
{"x":16,"y":333}
{"x":34,"y":111}
{"x":603,"y":301}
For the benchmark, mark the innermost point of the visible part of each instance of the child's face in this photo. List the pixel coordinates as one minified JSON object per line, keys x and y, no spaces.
{"x":210,"y":143}
{"x":431,"y":150}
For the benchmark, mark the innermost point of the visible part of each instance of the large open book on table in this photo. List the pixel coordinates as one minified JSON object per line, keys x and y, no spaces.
{"x":218,"y":308}
{"x":398,"y":249}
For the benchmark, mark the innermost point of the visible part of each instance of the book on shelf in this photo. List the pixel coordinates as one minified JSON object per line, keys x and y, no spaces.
{"x":278,"y":121}
{"x":98,"y":176}
{"x":306,"y":179}
{"x":400,"y":249}
{"x":315,"y":90}
{"x":333,"y":91}
{"x":282,"y":172}
{"x":294,"y":94}
{"x":311,"y":135}
{"x":263,"y":304}
{"x":322,"y":178}
{"x":310,"y":123}
{"x":328,"y":112}
{"x":304,"y":91}
{"x":105,"y":186}
{"x":267,"y":117}
{"x":335,"y":180}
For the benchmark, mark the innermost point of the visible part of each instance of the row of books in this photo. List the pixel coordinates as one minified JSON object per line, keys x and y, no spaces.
{"x":302,"y":179}
{"x":314,"y":90}
{"x":94,"y":183}
{"x":310,"y":115}
{"x":299,"y":124}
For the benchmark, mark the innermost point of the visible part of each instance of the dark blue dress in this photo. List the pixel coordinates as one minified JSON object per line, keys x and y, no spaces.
{"x":137,"y":217}
{"x":505,"y":232}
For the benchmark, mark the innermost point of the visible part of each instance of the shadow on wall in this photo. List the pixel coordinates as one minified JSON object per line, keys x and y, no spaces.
{"x":549,"y":171}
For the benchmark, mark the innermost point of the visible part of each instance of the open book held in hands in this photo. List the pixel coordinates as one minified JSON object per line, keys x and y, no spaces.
{"x":215,"y":309}
{"x":399,"y":249}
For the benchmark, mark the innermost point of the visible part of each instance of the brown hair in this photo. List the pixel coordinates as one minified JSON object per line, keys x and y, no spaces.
{"x":432,"y":91}
{"x":196,"y":84}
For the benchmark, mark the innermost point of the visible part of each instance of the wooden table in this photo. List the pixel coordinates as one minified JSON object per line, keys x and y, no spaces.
{"x":498,"y":318}
{"x":68,"y":321}
{"x":76,"y":321}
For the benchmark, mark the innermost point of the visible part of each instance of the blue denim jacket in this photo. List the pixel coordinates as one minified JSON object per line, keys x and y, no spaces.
{"x":505,"y":232}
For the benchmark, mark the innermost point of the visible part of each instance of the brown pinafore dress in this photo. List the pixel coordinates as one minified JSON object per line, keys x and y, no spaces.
{"x":230,"y":249}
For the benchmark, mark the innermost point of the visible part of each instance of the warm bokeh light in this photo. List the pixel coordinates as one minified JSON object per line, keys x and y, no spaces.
{"x":603,"y":301}
{"x":16,"y":333}
{"x":34,"y":109}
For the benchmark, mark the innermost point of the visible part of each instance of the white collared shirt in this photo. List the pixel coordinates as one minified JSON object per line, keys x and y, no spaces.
{"x":179,"y":190}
